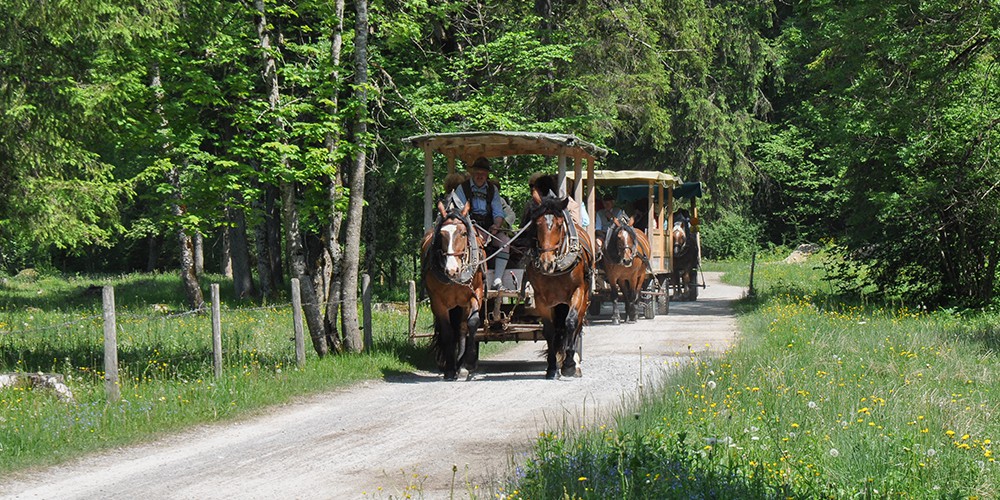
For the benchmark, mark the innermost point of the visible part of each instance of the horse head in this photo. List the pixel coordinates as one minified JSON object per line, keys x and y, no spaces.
{"x":554,"y":233}
{"x":621,"y":244}
{"x":679,"y":237}
{"x":457,"y":243}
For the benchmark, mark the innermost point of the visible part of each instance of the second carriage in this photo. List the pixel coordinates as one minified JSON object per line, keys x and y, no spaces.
{"x":665,"y":209}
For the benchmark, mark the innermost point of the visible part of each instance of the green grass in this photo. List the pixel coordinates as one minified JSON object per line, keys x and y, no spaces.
{"x":821,"y":398}
{"x":54,"y":324}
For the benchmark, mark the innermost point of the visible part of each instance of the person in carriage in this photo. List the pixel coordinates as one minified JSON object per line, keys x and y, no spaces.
{"x":487,"y":212}
{"x":605,"y":220}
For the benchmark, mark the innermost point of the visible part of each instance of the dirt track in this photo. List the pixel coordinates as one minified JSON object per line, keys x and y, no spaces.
{"x":402,"y":435}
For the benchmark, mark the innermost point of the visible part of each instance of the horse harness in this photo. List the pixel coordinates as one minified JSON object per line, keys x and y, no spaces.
{"x":613,"y":251}
{"x":471,"y":261}
{"x":570,"y":247}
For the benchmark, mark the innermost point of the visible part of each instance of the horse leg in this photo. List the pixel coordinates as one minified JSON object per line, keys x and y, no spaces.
{"x":628,"y":291}
{"x":450,"y":343}
{"x":553,"y":348}
{"x":471,"y":357}
{"x":571,"y":333}
{"x":615,"y":319}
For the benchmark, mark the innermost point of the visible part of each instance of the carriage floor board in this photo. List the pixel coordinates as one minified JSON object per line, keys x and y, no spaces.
{"x":401,"y":437}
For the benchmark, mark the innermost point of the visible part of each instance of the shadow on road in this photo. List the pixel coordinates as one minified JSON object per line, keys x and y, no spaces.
{"x":702,"y":307}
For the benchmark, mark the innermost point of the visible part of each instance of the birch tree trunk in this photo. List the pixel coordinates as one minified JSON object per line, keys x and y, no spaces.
{"x":189,"y":279}
{"x":352,"y":246}
{"x":334,"y":254}
{"x":293,"y":236}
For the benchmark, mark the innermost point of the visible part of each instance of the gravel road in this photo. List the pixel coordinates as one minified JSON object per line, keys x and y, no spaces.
{"x":404,"y":435}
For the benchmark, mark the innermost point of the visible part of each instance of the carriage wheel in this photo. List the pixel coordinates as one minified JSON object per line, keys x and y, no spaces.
{"x":663,"y":301}
{"x":649,"y":304}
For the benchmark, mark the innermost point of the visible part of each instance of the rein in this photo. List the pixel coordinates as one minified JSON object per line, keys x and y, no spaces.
{"x":504,"y":246}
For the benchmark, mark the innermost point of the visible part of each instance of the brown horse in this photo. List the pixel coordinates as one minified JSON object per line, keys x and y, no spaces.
{"x":626,"y":260}
{"x":685,"y":260}
{"x":559,"y":270}
{"x":453,"y":269}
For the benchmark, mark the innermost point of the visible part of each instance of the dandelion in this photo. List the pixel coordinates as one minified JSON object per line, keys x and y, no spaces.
{"x":931,"y":452}
{"x":711,"y":384}
{"x":813,"y":405}
{"x":834,"y":453}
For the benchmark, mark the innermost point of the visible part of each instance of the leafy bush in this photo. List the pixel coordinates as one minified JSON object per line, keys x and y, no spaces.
{"x":731,"y":236}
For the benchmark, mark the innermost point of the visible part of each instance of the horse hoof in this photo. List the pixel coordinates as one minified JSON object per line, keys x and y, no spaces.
{"x":630,"y":321}
{"x":451,"y":376}
{"x":615,"y":321}
{"x":470,"y":376}
{"x":571,"y":371}
{"x":550,"y":374}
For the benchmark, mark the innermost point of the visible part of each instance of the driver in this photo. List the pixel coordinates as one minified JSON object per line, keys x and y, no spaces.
{"x":488,"y":214}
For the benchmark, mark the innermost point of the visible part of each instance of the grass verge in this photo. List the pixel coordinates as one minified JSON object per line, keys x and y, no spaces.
{"x":819,"y":399}
{"x":54,"y":325}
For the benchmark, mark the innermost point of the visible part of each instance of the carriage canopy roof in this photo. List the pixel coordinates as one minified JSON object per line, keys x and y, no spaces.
{"x":688,"y":190}
{"x":467,"y":146}
{"x":632,"y":177}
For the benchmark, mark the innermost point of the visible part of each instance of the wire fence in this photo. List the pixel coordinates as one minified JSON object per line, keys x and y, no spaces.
{"x":130,"y":325}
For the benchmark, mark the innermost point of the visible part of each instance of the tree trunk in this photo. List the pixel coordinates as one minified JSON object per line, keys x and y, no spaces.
{"x":189,"y":279}
{"x":153,"y":257}
{"x":293,"y":237}
{"x":199,"y":253}
{"x":227,"y":251}
{"x":239,"y":251}
{"x":297,"y":259}
{"x":195,"y":299}
{"x":334,"y":253}
{"x":352,"y":247}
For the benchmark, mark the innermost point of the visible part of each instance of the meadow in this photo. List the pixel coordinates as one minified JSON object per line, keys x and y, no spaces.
{"x":822,"y":397}
{"x":54,"y":324}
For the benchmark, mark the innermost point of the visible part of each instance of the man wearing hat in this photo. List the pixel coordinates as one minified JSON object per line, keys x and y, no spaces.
{"x":487,"y":212}
{"x":606,"y":217}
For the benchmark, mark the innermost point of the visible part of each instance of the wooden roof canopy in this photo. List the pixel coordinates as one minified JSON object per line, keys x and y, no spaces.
{"x":632,"y":177}
{"x":467,"y":146}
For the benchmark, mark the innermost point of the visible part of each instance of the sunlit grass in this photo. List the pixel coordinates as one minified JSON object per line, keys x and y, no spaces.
{"x":165,"y":357}
{"x":819,"y":398}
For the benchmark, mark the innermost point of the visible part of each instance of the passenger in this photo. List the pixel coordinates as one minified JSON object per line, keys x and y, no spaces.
{"x":605,"y":219}
{"x":488,"y":214}
{"x":544,"y":183}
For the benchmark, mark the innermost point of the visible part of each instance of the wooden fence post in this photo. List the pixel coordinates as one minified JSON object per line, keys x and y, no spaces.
{"x":216,"y":331}
{"x":111,"y":387}
{"x":366,"y":309}
{"x":413,"y":311}
{"x":300,"y":342}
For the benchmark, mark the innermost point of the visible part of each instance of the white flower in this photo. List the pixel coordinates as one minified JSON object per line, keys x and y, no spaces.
{"x":931,"y":452}
{"x":711,"y":384}
{"x":813,"y":405}
{"x":834,"y":453}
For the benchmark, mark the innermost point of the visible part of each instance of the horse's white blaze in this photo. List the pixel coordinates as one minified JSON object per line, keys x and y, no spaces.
{"x":452,"y":262}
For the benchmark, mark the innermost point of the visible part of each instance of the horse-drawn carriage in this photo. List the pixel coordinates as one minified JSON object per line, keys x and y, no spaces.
{"x":673,"y":257}
{"x":548,"y":297}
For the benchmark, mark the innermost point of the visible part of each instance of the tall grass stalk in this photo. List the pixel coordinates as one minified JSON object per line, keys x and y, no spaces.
{"x":821,"y":398}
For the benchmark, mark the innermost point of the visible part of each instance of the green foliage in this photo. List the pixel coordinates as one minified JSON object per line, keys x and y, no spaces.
{"x":903,"y":111}
{"x":730,"y":236}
